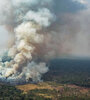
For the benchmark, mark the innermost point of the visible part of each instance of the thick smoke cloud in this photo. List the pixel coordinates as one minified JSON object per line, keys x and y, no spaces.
{"x":64,"y":6}
{"x":27,"y":19}
{"x":70,"y":34}
{"x":41,"y":30}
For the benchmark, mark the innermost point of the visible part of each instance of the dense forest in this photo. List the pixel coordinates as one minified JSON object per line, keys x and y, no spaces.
{"x":69,"y":71}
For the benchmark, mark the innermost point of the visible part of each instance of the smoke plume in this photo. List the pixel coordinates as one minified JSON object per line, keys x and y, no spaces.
{"x":26,"y":19}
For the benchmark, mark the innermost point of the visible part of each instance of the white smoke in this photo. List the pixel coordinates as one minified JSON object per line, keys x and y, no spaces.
{"x":27,"y":19}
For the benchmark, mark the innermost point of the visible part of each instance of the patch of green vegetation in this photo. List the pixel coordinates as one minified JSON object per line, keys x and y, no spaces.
{"x":10,"y":93}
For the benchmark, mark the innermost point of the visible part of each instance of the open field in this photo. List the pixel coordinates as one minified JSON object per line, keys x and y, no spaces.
{"x":55,"y":91}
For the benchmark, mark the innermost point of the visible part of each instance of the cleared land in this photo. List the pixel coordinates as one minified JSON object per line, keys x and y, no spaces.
{"x":55,"y":91}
